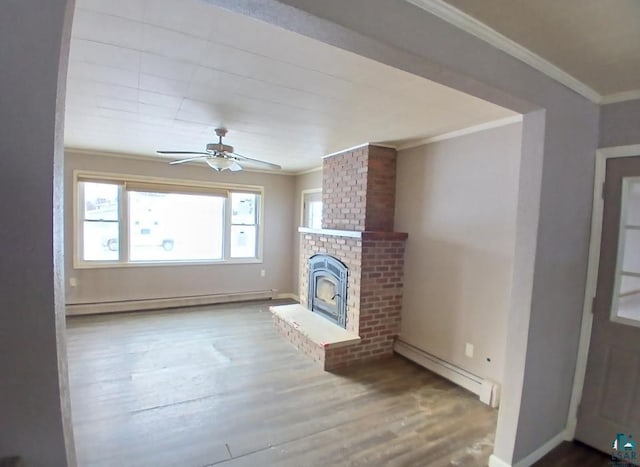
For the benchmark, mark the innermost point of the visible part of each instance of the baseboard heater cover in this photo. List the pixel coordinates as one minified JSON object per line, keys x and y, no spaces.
{"x":488,"y":391}
{"x":162,"y":303}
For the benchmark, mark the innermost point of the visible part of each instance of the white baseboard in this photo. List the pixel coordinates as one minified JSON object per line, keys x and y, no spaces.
{"x":291,"y":296}
{"x":570,"y":432}
{"x":539,"y":453}
{"x":495,"y":461}
{"x":455,"y":374}
{"x":160,"y":303}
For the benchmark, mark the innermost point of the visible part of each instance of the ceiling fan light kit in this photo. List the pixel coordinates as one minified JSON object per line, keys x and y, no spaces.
{"x":222,"y":163}
{"x":220,"y":156}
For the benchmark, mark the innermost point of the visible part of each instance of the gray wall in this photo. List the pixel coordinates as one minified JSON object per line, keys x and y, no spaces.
{"x":620,"y":124}
{"x":33,"y":381}
{"x":131,"y":283}
{"x":306,"y":181}
{"x":560,"y":133}
{"x":457,"y":200}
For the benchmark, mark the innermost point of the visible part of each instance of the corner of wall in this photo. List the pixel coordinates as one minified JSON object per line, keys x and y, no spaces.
{"x":495,"y":461}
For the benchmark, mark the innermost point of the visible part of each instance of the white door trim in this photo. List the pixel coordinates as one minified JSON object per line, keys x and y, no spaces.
{"x":592,"y":277}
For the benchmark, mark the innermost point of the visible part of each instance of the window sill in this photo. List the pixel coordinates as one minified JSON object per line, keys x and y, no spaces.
{"x":147,"y":264}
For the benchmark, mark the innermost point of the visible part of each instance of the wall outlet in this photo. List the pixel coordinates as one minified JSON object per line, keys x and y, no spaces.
{"x":73,"y":282}
{"x":468,"y":350}
{"x":263,"y":272}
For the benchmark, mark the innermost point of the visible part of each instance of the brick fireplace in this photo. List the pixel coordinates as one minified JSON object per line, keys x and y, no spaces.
{"x":358,"y":195}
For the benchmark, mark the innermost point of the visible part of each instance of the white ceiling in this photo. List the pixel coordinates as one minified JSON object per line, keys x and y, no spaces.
{"x":162,"y":74}
{"x":595,"y":41}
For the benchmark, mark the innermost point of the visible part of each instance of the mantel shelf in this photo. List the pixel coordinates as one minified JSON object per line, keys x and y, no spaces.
{"x":363,"y":235}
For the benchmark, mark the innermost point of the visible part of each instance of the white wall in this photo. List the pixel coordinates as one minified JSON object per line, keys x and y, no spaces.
{"x":307,"y":181}
{"x":457,"y":200}
{"x":133,"y":283}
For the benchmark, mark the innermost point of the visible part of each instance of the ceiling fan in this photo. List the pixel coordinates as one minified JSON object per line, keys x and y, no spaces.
{"x":220,"y":156}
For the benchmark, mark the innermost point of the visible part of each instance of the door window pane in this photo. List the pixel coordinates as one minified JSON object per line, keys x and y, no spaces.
{"x":633,"y":204}
{"x":175,"y":227}
{"x":631,"y":252}
{"x":626,"y":300}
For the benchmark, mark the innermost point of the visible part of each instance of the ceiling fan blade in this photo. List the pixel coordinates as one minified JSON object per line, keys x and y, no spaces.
{"x":182,"y":152}
{"x":189,"y":159}
{"x":235,"y":167}
{"x":265,"y":163}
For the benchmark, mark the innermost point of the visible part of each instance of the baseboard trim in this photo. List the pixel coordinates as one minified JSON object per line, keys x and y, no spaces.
{"x":570,"y":432}
{"x":539,"y":453}
{"x":284,"y":296}
{"x":455,"y":374}
{"x":160,"y":303}
{"x":495,"y":461}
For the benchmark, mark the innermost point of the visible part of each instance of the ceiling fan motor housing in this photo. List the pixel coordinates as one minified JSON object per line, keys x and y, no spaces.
{"x":219,"y":147}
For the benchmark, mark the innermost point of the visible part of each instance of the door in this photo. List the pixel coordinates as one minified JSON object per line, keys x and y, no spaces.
{"x":609,"y":416}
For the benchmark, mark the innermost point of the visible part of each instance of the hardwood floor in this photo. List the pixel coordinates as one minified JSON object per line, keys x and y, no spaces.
{"x":219,"y":386}
{"x":574,"y":454}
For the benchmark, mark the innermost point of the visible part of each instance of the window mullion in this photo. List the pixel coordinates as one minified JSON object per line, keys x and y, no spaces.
{"x":123,"y":215}
{"x":258,"y":220}
{"x":226,"y":245}
{"x":80,"y":215}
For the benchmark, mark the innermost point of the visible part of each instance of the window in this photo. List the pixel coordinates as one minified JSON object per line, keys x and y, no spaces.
{"x":244,"y":225}
{"x":626,"y":296}
{"x":175,"y":226}
{"x":140,"y":222}
{"x":312,"y":209}
{"x":101,"y":222}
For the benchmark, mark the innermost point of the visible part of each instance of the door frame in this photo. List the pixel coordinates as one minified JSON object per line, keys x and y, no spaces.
{"x":602,"y":155}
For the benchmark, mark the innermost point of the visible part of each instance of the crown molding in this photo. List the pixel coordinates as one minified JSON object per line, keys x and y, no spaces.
{"x":308,"y":171}
{"x":467,"y":23}
{"x":162,"y":160}
{"x":462,"y":132}
{"x":620,"y":97}
{"x":352,"y":148}
{"x":380,"y":145}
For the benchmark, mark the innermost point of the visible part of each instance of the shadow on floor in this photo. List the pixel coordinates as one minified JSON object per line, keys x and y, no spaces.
{"x":574,"y":454}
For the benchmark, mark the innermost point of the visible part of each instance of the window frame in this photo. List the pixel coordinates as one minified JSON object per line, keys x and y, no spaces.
{"x":303,"y":198}
{"x":619,"y":272}
{"x":230,"y":224}
{"x":188,"y":186}
{"x":79,"y":221}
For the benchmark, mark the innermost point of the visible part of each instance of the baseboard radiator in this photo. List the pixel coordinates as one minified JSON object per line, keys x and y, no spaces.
{"x":488,"y":391}
{"x":76,"y":309}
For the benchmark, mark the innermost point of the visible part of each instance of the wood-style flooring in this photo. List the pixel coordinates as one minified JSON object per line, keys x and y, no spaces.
{"x":219,"y":386}
{"x":574,"y":454}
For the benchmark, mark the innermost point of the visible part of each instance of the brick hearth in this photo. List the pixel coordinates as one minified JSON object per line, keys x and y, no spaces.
{"x":358,"y":211}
